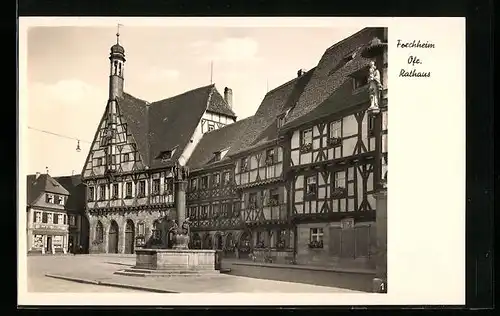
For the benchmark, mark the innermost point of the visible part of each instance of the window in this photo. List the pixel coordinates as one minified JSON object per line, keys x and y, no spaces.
{"x":335,"y":129}
{"x":91,"y":194}
{"x":38,"y":217}
{"x":226,"y":209}
{"x":211,"y":126}
{"x":65,"y":220}
{"x":126,"y":157}
{"x":227,"y":177}
{"x":311,"y":186}
{"x":274,"y":197}
{"x":244,"y":164}
{"x":204,"y":212}
{"x":169,"y":185}
{"x":50,"y":218}
{"x":102,"y":192}
{"x":217,"y":156}
{"x":50,"y":198}
{"x":113,"y":159}
{"x":55,"y":219}
{"x":307,"y":136}
{"x":60,"y":219}
{"x":141,"y":229}
{"x":59,"y":200}
{"x":252,"y":200}
{"x":306,"y":141}
{"x":204,"y":182}
{"x":72,"y":220}
{"x":216,"y":179}
{"x":115,"y":191}
{"x":99,"y":162}
{"x":193,"y":184}
{"x":371,"y":125}
{"x":281,"y":239}
{"x":129,"y":190}
{"x":156,"y":186}
{"x":216,"y":210}
{"x":316,"y":238}
{"x":360,"y":81}
{"x":142,"y":189}
{"x":281,"y":121}
{"x":339,"y":179}
{"x":166,"y":155}
{"x":45,"y":218}
{"x":270,"y":157}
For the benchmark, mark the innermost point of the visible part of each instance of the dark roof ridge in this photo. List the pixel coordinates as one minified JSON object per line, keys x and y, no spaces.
{"x":346,"y":39}
{"x":182,"y":94}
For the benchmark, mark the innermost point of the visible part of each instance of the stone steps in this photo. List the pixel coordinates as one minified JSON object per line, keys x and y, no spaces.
{"x":165,"y":273}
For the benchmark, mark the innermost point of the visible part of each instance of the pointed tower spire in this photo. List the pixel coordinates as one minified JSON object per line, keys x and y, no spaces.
{"x":117,"y":65}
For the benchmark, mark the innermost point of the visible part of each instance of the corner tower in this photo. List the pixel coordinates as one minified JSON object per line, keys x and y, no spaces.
{"x":117,"y":65}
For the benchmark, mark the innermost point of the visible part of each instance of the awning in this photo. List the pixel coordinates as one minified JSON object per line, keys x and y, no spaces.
{"x":49,"y":232}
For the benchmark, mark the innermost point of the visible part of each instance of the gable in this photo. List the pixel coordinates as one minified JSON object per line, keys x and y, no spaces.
{"x":123,"y":154}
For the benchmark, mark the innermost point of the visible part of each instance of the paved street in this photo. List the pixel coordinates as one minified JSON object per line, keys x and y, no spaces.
{"x":98,"y":268}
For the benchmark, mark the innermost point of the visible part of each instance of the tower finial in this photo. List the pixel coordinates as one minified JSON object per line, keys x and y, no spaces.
{"x":118,"y":33}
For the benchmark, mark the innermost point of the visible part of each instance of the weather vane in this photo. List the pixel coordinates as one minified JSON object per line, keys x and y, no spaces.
{"x":118,"y":33}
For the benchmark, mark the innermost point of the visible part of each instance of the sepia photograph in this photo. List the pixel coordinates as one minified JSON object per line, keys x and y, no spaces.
{"x":206,"y":159}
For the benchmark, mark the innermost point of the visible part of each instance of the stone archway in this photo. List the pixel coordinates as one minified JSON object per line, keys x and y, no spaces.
{"x":229,"y":246}
{"x":113,"y":237}
{"x":129,"y":236}
{"x":218,"y":241}
{"x":244,"y":244}
{"x":207,"y":242}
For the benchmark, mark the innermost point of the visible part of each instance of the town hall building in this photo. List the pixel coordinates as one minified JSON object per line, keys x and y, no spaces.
{"x":297,"y":182}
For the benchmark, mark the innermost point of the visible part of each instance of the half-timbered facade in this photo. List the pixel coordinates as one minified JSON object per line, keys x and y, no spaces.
{"x":333,"y":169}
{"x":212,"y":200}
{"x":129,"y":169}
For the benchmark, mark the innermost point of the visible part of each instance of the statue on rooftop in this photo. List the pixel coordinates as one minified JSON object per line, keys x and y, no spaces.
{"x":374,"y":87}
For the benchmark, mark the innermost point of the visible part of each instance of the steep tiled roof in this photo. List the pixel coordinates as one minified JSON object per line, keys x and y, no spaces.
{"x":167,"y":124}
{"x":217,"y":140}
{"x":219,"y":105}
{"x":44,"y":183}
{"x":76,"y":189}
{"x":332,"y":70}
{"x":263,"y":126}
{"x":135,"y":112}
{"x":343,"y":99}
{"x":173,"y":121}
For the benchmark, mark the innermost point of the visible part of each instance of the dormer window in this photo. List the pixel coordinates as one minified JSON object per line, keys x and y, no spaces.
{"x":360,"y":81}
{"x":211,"y":126}
{"x":281,"y":121}
{"x":166,"y":155}
{"x":50,"y":198}
{"x":217,"y":156}
{"x":59,"y":200}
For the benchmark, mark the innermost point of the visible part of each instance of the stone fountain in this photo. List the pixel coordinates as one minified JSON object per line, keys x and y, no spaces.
{"x":180,"y":260}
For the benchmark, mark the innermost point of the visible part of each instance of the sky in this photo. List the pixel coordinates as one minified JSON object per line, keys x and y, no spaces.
{"x":68,"y":69}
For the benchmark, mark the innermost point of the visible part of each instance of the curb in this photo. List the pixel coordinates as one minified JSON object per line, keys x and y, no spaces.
{"x":112,"y":284}
{"x":297,"y":267}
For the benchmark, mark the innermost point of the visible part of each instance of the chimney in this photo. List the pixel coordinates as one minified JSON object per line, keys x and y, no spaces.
{"x":301,"y":72}
{"x":228,"y":97}
{"x":37,"y":175}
